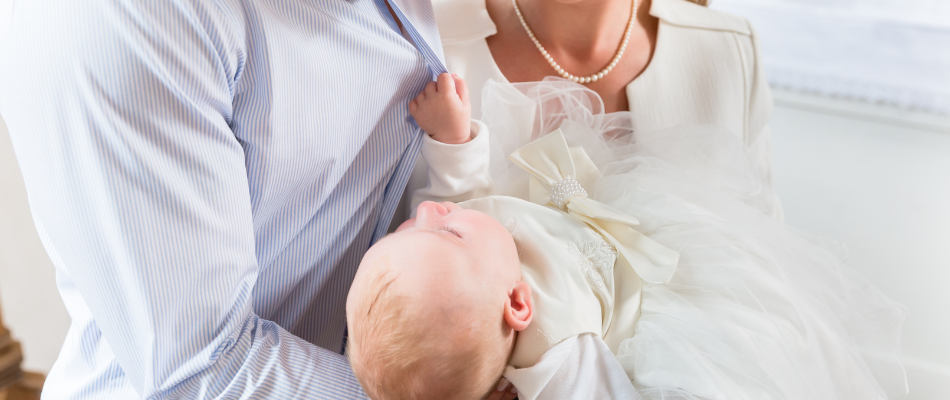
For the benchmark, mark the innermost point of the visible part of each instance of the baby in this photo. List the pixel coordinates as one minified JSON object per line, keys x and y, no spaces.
{"x":440,"y":307}
{"x":435,"y":306}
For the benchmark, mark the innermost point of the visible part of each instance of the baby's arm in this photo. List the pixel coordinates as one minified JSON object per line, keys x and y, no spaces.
{"x":456,"y":147}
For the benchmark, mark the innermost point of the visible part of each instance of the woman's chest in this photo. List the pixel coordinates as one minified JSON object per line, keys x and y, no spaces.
{"x":519,"y":61}
{"x":694,"y":77}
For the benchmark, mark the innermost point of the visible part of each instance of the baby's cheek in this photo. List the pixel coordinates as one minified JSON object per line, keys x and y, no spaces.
{"x":411,"y":222}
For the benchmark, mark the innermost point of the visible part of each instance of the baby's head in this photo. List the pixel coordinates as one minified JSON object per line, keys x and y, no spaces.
{"x":435,"y":307}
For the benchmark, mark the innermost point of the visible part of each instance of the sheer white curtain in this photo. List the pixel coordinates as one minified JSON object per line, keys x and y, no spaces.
{"x":887,"y":51}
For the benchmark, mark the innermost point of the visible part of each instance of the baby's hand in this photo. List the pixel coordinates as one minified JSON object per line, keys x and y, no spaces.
{"x":442,"y":110}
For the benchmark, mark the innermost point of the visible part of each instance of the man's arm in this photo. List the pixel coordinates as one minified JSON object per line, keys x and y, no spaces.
{"x":119,"y":114}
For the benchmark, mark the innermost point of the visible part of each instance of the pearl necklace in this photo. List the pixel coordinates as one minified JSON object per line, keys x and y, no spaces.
{"x":564,"y":74}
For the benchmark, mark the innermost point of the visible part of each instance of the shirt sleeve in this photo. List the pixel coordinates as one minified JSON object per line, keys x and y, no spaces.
{"x":456,"y":172}
{"x":120,"y":117}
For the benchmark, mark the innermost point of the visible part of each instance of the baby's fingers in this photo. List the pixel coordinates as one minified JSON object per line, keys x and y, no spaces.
{"x":446,"y":83}
{"x":431,"y":90}
{"x":416,"y":102}
{"x":461,"y":88}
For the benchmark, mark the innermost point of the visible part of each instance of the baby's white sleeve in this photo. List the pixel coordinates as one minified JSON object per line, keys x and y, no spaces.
{"x":457,"y":172}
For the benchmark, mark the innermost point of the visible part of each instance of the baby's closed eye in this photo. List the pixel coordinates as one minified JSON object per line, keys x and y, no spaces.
{"x":452,"y":231}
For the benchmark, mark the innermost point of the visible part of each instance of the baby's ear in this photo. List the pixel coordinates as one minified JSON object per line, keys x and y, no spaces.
{"x":518,"y":308}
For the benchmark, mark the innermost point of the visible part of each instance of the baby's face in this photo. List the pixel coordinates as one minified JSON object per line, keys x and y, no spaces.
{"x":446,"y":252}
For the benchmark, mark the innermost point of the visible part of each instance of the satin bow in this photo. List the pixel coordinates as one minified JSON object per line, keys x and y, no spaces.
{"x":553,"y":166}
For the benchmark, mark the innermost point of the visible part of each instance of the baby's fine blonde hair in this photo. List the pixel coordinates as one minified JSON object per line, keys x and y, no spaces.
{"x":397,"y":353}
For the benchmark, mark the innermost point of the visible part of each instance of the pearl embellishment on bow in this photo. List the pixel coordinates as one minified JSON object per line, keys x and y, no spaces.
{"x":562,"y":191}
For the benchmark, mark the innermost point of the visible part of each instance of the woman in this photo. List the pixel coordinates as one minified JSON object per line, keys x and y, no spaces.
{"x":683,"y":63}
{"x":671,"y":63}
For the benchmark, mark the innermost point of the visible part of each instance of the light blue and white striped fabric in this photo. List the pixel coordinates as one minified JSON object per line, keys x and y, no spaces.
{"x":205,"y":175}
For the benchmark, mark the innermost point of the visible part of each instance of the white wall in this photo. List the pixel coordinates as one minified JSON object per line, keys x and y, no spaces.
{"x":877,"y":179}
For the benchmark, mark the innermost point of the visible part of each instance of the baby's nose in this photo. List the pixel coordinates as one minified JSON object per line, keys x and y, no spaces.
{"x":450,"y":206}
{"x":432,"y":208}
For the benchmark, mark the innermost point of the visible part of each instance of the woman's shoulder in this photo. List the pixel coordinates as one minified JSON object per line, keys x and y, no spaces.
{"x":687,"y":14}
{"x":462,"y":20}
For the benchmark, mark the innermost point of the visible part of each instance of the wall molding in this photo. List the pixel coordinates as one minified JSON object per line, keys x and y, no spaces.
{"x":860,"y":110}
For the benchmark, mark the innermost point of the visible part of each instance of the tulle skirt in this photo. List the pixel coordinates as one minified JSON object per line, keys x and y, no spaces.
{"x":756,"y":309}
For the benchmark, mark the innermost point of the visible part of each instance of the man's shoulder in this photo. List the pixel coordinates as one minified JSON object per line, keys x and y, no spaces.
{"x":687,"y":14}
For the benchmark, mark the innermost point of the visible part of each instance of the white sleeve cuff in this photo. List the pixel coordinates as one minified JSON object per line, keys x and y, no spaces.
{"x":457,"y":172}
{"x":445,"y":158}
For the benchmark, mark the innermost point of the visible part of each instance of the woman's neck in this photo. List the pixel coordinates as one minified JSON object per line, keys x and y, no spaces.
{"x":582,"y":38}
{"x":587,"y":29}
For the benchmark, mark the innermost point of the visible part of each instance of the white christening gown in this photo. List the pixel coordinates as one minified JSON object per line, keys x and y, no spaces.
{"x":756,"y":309}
